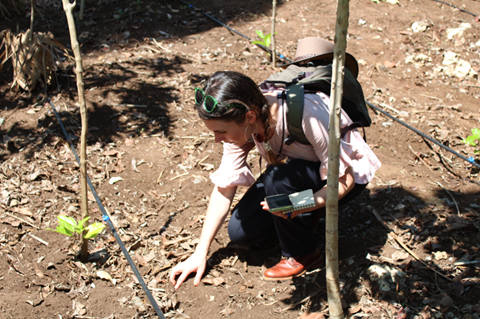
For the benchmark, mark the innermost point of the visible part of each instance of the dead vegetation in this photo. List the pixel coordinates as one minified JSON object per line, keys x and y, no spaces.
{"x":34,"y":57}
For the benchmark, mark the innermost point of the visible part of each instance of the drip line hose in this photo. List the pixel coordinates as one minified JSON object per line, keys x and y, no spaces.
{"x":106,"y":218}
{"x":451,"y":5}
{"x":281,"y":56}
{"x":471,"y":160}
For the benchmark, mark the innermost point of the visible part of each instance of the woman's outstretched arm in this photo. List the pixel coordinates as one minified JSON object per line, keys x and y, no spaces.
{"x":218,"y":207}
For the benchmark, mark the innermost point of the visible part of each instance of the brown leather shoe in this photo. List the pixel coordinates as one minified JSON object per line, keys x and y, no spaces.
{"x":291,"y":267}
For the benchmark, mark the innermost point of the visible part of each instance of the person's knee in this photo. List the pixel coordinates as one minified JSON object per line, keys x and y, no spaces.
{"x":234,"y":232}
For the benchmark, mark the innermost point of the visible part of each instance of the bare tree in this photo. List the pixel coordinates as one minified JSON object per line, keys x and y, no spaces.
{"x":274,"y":50}
{"x":331,"y":236}
{"x":32,"y":14}
{"x":68,"y":7}
{"x":82,"y":9}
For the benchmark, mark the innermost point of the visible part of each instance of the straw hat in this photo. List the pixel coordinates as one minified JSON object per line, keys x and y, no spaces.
{"x":313,"y":48}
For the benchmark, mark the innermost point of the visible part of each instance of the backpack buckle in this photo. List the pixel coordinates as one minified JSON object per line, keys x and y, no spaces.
{"x":289,"y":140}
{"x":301,"y":75}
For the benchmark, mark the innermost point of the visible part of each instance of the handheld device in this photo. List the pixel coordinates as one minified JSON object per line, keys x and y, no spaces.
{"x":279,"y":202}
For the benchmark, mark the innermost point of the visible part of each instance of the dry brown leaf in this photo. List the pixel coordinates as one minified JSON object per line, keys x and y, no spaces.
{"x":141,"y":261}
{"x":80,"y":310}
{"x":119,"y":167}
{"x":207,"y":166}
{"x":111,"y":153}
{"x":129,"y":142}
{"x":197,"y":219}
{"x":389,"y":64}
{"x":218,"y":281}
{"x":106,"y":276}
{"x":37,"y":300}
{"x":439,"y":255}
{"x":227,"y":312}
{"x":24,"y":211}
{"x":47,"y":186}
{"x":38,"y":273}
{"x":425,"y":313}
{"x":207,"y":281}
{"x":167,"y":242}
{"x":11,"y":221}
{"x":34,"y":175}
{"x":353,"y":310}
{"x":399,"y":255}
{"x":148,"y":258}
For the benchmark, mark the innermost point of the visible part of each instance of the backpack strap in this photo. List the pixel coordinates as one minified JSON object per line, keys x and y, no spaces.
{"x":352,"y":126}
{"x":295,"y":95}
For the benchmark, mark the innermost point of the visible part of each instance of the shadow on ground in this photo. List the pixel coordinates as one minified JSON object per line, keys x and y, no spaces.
{"x":107,"y":24}
{"x":373,"y":265}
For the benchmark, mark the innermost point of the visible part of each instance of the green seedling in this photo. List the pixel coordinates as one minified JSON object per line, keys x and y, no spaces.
{"x":118,"y":14}
{"x":69,"y":226}
{"x":266,"y":39}
{"x":139,"y":4}
{"x":474,"y":140}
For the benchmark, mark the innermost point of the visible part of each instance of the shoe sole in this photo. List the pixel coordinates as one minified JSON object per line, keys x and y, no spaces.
{"x":313,"y":266}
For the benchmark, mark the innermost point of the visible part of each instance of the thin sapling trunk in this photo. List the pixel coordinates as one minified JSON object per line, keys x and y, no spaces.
{"x":331,"y":236}
{"x":68,"y":7}
{"x":274,"y":50}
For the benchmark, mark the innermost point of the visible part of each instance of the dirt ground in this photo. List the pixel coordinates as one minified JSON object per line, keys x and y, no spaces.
{"x":419,"y":61}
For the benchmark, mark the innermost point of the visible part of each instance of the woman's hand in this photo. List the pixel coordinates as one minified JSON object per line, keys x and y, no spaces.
{"x":195,"y":263}
{"x":217,"y":211}
{"x":282,"y":215}
{"x":345,"y":184}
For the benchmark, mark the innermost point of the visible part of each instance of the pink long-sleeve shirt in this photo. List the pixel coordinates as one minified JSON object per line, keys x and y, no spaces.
{"x":354,"y":152}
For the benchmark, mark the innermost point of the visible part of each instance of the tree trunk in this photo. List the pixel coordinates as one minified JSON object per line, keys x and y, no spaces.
{"x":82,"y":9}
{"x":274,"y":16}
{"x":32,"y":15}
{"x":331,"y":236}
{"x":68,"y":7}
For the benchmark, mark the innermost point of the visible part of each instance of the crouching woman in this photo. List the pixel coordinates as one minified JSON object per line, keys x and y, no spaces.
{"x":243,"y":117}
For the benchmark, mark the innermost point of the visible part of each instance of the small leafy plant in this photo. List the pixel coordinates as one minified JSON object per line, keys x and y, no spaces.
{"x":69,"y":226}
{"x":474,"y":140}
{"x":139,"y":4}
{"x":118,"y":14}
{"x":266,"y":39}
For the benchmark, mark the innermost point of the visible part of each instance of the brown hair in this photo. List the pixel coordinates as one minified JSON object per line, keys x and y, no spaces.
{"x":236,"y":94}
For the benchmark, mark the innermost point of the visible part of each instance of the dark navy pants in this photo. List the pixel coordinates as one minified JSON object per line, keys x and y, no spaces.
{"x":250,"y":224}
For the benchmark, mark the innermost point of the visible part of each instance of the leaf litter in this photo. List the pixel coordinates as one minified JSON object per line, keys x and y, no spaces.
{"x":161,"y":224}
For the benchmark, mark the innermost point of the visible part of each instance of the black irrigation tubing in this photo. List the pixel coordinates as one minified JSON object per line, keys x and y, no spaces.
{"x":451,"y":5}
{"x":106,"y":218}
{"x":471,"y":160}
{"x":281,"y":56}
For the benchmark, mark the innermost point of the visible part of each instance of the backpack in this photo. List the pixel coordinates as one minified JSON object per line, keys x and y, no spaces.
{"x":300,"y":80}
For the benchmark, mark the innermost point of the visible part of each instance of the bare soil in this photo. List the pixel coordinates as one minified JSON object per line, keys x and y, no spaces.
{"x":142,"y":60}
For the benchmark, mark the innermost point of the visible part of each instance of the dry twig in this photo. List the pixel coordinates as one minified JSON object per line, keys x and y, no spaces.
{"x":178,"y":176}
{"x":421,"y":159}
{"x":292,"y":306}
{"x":22,"y":220}
{"x":392,"y":233}
{"x":39,"y":239}
{"x":458,"y":209}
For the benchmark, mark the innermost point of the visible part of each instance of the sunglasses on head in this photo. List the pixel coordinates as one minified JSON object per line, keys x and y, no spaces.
{"x":209,"y":102}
